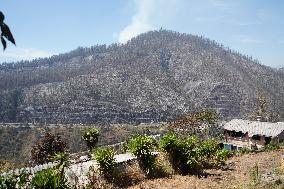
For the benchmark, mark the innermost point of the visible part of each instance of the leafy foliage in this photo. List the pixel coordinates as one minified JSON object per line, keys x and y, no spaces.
{"x":191,"y":155}
{"x":221,"y":156}
{"x":263,"y":111}
{"x":47,"y":147}
{"x":105,"y":158}
{"x":91,"y":137}
{"x":142,"y":147}
{"x":271,"y":146}
{"x":172,"y":145}
{"x":63,"y":161}
{"x":244,"y":150}
{"x":208,"y":148}
{"x":49,"y":179}
{"x":201,"y":124}
{"x":8,"y":182}
{"x":5,"y":32}
{"x":11,"y":181}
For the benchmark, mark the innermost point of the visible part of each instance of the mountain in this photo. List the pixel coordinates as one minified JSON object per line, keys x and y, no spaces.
{"x":156,"y":76}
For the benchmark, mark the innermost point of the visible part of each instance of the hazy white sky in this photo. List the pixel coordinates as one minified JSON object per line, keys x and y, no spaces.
{"x":44,"y":28}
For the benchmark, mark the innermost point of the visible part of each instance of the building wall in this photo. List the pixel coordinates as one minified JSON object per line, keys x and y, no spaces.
{"x":245,"y":141}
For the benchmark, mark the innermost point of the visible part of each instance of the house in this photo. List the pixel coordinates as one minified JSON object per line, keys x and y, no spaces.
{"x":240,"y":133}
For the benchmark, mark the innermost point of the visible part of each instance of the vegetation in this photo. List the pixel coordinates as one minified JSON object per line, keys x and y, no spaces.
{"x":63,"y":161}
{"x":49,"y":179}
{"x":16,"y":142}
{"x":47,"y":147}
{"x":192,"y":124}
{"x":105,"y":158}
{"x":102,"y":84}
{"x":12,"y":181}
{"x":264,"y":111}
{"x":91,"y":137}
{"x":5,"y":32}
{"x":191,"y":155}
{"x":254,"y":174}
{"x":142,"y":147}
{"x":8,"y":182}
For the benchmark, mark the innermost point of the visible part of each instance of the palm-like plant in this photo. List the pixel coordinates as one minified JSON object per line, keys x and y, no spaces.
{"x":91,"y":137}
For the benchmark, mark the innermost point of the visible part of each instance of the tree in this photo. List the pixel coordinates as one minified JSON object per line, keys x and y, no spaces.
{"x":263,"y":111}
{"x":5,"y":32}
{"x":201,"y":124}
{"x":91,"y":137}
{"x":47,"y":147}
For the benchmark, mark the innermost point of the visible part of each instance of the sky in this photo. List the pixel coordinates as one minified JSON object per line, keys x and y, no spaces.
{"x":47,"y":27}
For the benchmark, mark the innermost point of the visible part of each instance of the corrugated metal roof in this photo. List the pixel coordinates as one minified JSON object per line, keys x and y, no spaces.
{"x":255,"y":127}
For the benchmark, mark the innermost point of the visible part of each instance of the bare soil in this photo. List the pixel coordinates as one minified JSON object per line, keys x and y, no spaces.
{"x":237,"y":174}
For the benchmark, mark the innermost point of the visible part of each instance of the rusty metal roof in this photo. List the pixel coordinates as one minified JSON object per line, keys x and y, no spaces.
{"x":255,"y":127}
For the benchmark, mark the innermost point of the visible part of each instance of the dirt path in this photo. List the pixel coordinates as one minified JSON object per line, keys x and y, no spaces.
{"x":237,"y":177}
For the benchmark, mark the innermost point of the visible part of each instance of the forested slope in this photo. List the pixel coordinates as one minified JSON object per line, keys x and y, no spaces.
{"x":156,"y":76}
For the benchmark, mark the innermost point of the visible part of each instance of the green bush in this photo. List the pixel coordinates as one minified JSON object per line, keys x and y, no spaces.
{"x":208,"y":149}
{"x":63,"y":161}
{"x":8,"y":181}
{"x":49,"y":179}
{"x":271,"y":147}
{"x":179,"y":151}
{"x":190,"y":155}
{"x":169,"y":142}
{"x":244,"y":150}
{"x":91,"y":137}
{"x":105,"y":158}
{"x":141,"y":147}
{"x":221,"y":156}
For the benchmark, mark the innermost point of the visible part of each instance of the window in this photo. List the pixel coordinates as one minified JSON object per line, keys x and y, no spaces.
{"x":256,"y":137}
{"x":267,"y":140}
{"x":236,"y":134}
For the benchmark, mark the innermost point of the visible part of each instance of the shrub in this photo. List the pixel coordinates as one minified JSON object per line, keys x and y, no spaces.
{"x":105,"y":158}
{"x":49,"y":179}
{"x":8,"y":181}
{"x":208,"y":149}
{"x":192,"y":150}
{"x":221,"y":156}
{"x":141,"y":147}
{"x":191,"y":155}
{"x":63,"y":161}
{"x":47,"y":147}
{"x":169,"y":142}
{"x":244,"y":150}
{"x":271,"y":147}
{"x":91,"y":136}
{"x":176,"y":151}
{"x":11,"y":181}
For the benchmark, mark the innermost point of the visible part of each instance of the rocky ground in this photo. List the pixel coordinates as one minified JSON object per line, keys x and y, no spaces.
{"x":237,"y":174}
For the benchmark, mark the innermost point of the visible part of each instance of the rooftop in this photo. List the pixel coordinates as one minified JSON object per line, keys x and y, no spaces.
{"x":255,"y":127}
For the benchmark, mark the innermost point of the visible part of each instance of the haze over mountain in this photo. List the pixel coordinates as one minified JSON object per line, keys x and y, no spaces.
{"x":155,"y":76}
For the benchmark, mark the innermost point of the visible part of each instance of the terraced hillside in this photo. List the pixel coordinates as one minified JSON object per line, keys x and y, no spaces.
{"x":156,"y":76}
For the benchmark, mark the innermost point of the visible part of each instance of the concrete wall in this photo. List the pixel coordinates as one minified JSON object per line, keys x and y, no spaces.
{"x":245,"y":141}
